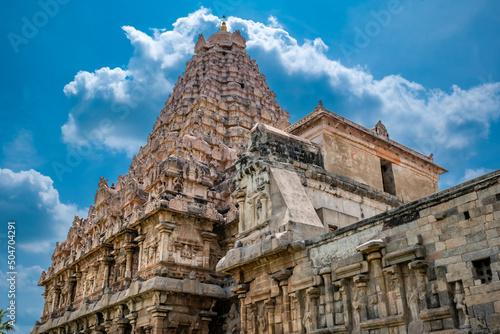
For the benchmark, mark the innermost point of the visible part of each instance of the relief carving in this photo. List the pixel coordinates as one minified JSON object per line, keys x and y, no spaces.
{"x":232,"y":325}
{"x":459,"y":300}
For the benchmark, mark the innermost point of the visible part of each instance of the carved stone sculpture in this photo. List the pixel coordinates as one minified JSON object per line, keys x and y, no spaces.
{"x":459,"y":300}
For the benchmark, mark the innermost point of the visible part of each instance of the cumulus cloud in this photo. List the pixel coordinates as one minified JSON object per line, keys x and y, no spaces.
{"x":473,"y":173}
{"x":424,"y":118}
{"x":113,"y":107}
{"x":427,"y":119}
{"x":29,"y":199}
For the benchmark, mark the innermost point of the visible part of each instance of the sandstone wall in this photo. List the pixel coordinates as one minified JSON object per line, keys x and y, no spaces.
{"x":428,"y":266}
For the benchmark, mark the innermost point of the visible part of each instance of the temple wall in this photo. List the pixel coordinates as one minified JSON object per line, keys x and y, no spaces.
{"x":369,"y":156}
{"x":344,"y":157}
{"x":412,"y":184}
{"x":429,"y":266}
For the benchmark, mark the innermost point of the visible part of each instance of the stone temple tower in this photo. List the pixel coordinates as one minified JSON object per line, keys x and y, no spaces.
{"x":144,"y":259}
{"x":230,"y":220}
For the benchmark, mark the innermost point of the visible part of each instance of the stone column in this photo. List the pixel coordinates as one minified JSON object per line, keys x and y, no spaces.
{"x":95,"y":268}
{"x":55,"y":301}
{"x":107,"y":260}
{"x":85,"y":275}
{"x":282,"y":277}
{"x":420,"y":268}
{"x":132,"y":318}
{"x":371,"y":250}
{"x":359,"y":299}
{"x":140,"y":241}
{"x":240,"y":198}
{"x":312,"y":310}
{"x":399,"y":304}
{"x":206,"y":317}
{"x":78,"y":284}
{"x":241,"y":290}
{"x":346,"y":300}
{"x":158,"y":315}
{"x":129,"y":249}
{"x":71,"y":289}
{"x":207,"y":240}
{"x":326,"y":272}
{"x":121,"y":325}
{"x":165,"y":232}
{"x":271,"y":305}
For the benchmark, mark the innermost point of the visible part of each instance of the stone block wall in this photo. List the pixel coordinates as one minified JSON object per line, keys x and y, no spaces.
{"x":431,"y":265}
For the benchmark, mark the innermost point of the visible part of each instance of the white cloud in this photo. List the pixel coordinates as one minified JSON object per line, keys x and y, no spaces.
{"x":128,"y":100}
{"x":21,"y":153}
{"x":429,"y":119}
{"x":426,"y":119}
{"x":29,"y":199}
{"x":473,"y":173}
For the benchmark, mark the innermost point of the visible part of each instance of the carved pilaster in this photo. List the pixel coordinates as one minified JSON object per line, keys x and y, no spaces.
{"x":241,"y":290}
{"x":371,"y":250}
{"x":206,"y":318}
{"x":121,"y":325}
{"x":282,"y":277}
{"x":310,"y":319}
{"x":140,"y":242}
{"x":207,"y":240}
{"x":107,"y":261}
{"x":158,"y":315}
{"x":240,"y":198}
{"x":129,"y":249}
{"x":55,"y":301}
{"x":345,"y":297}
{"x":271,"y":306}
{"x":132,"y":318}
{"x":359,"y":301}
{"x":420,"y":268}
{"x":165,"y":232}
{"x":71,"y":289}
{"x":326,"y":273}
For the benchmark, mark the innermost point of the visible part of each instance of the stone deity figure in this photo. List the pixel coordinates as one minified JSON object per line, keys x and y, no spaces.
{"x":459,"y":300}
{"x":356,"y":305}
{"x":262,"y":319}
{"x":233,"y":321}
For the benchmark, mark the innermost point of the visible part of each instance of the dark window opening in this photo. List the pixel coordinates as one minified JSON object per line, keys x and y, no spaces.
{"x":388,"y":177}
{"x":482,"y":270}
{"x":242,"y":85}
{"x":332,"y":228}
{"x":467,"y":215}
{"x":497,"y":196}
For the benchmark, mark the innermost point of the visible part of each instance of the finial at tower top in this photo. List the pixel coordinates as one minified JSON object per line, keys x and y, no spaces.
{"x":223,"y":27}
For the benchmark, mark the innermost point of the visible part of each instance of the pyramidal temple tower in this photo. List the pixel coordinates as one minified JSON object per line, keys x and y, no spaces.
{"x":150,"y":243}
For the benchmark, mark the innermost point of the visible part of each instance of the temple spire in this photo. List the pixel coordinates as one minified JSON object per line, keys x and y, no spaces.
{"x":223,"y":26}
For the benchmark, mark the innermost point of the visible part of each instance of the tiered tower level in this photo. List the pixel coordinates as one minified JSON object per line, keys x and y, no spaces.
{"x":165,"y":217}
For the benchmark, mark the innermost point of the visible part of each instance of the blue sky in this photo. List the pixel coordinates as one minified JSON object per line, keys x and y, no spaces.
{"x":83,"y":83}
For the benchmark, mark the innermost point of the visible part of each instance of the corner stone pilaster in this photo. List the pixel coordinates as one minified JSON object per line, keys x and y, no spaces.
{"x":165,"y":230}
{"x":158,"y":317}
